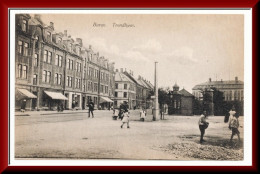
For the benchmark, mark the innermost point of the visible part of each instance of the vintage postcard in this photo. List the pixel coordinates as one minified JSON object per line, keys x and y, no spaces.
{"x":121,"y":87}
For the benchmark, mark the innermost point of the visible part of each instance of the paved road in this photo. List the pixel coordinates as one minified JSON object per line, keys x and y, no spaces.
{"x":76,"y":136}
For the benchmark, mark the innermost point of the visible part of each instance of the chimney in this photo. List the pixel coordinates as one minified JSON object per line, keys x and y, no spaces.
{"x":221,"y":80}
{"x":90,"y":47}
{"x":51,"y":24}
{"x":69,"y":36}
{"x":116,"y":70}
{"x":125,"y":70}
{"x":209,"y":79}
{"x":65,"y":33}
{"x":139,"y":77}
{"x":79,"y":40}
{"x":236,"y":79}
{"x":121,"y":70}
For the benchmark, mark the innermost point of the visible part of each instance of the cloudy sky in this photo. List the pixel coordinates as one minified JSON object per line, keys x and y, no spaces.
{"x":189,"y":48}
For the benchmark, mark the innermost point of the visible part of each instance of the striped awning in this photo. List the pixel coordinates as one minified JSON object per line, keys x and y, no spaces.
{"x":105,"y":99}
{"x":25,"y":93}
{"x":56,"y":95}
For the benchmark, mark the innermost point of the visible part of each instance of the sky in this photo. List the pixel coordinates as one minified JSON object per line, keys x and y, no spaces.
{"x":189,"y":48}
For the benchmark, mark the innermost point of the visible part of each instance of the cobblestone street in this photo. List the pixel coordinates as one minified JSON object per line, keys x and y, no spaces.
{"x":72,"y":135}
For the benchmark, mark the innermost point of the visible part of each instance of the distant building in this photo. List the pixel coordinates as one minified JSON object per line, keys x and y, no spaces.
{"x":181,"y":102}
{"x":233,"y":91}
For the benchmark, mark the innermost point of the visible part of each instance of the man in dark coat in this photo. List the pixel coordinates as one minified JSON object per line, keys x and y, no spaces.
{"x":90,"y":108}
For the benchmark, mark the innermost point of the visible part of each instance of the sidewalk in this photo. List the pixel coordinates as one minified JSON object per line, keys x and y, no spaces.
{"x":36,"y":113}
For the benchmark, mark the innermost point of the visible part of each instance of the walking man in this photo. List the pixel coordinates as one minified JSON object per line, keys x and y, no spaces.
{"x":90,"y":108}
{"x":234,"y":124}
{"x":203,"y":125}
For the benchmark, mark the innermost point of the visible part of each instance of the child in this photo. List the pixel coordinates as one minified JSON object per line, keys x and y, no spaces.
{"x":125,"y":119}
{"x":234,"y":124}
{"x":115,"y":114}
{"x":142,"y":114}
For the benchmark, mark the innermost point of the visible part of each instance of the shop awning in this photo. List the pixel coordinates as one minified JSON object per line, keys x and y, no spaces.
{"x":56,"y":95}
{"x":24,"y":93}
{"x":105,"y":99}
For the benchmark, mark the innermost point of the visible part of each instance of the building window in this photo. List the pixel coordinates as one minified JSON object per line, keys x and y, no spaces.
{"x":56,"y":78}
{"x":20,"y":71}
{"x":48,"y":77}
{"x":45,"y":57}
{"x":71,"y":65}
{"x":70,"y":47}
{"x":20,"y":47}
{"x":48,"y":36}
{"x":36,"y":41}
{"x":44,"y":76}
{"x":49,"y":57}
{"x":70,"y":81}
{"x":125,"y":94}
{"x":116,"y":85}
{"x":242,"y":95}
{"x":36,"y":59}
{"x":59,"y":40}
{"x":95,"y":87}
{"x":25,"y":72}
{"x":24,"y":25}
{"x":35,"y":79}
{"x":59,"y":79}
{"x":84,"y":88}
{"x":60,"y":61}
{"x":116,"y":94}
{"x":125,"y":86}
{"x":230,"y":95}
{"x":84,"y":74}
{"x":57,"y":59}
{"x":25,"y":49}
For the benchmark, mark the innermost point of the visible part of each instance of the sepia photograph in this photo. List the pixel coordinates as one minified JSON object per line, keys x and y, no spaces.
{"x":130,"y":85}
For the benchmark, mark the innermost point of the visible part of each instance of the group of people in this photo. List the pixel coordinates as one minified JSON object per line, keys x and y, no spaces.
{"x":231,"y":119}
{"x":123,"y":114}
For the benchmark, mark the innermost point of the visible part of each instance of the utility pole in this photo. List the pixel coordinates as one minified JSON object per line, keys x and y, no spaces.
{"x":156,"y":108}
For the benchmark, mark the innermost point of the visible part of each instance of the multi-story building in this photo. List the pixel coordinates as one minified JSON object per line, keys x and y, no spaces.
{"x":53,"y":68}
{"x":233,"y":91}
{"x":125,"y":90}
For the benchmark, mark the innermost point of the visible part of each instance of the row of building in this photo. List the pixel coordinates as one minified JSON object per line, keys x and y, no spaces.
{"x":183,"y":103}
{"x":52,"y":68}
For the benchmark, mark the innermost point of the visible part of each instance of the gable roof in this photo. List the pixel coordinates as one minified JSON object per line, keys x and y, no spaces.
{"x":185,"y":93}
{"x":121,"y":77}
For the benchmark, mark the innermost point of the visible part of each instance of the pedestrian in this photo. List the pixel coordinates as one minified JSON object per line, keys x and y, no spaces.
{"x":232,"y":112}
{"x":234,"y":124}
{"x":142,"y":114}
{"x":90,"y":108}
{"x":115,"y":114}
{"x":73,"y":104}
{"x":125,"y":119}
{"x":203,"y":124}
{"x":23,"y":105}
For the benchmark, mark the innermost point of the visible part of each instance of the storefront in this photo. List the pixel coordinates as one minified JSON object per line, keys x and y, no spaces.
{"x":54,"y":99}
{"x":23,"y":99}
{"x":74,"y":100}
{"x":105,"y":103}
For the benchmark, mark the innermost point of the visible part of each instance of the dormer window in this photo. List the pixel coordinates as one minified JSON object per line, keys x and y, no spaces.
{"x":48,"y":36}
{"x":24,"y":25}
{"x":59,"y":41}
{"x":78,"y":51}
{"x":70,"y":47}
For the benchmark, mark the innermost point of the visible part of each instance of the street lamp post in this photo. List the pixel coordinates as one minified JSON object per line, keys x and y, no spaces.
{"x":156,"y":107}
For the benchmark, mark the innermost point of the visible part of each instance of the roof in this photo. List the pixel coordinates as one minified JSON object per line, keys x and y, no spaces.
{"x":221,"y":84}
{"x":185,"y":93}
{"x":122,"y":77}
